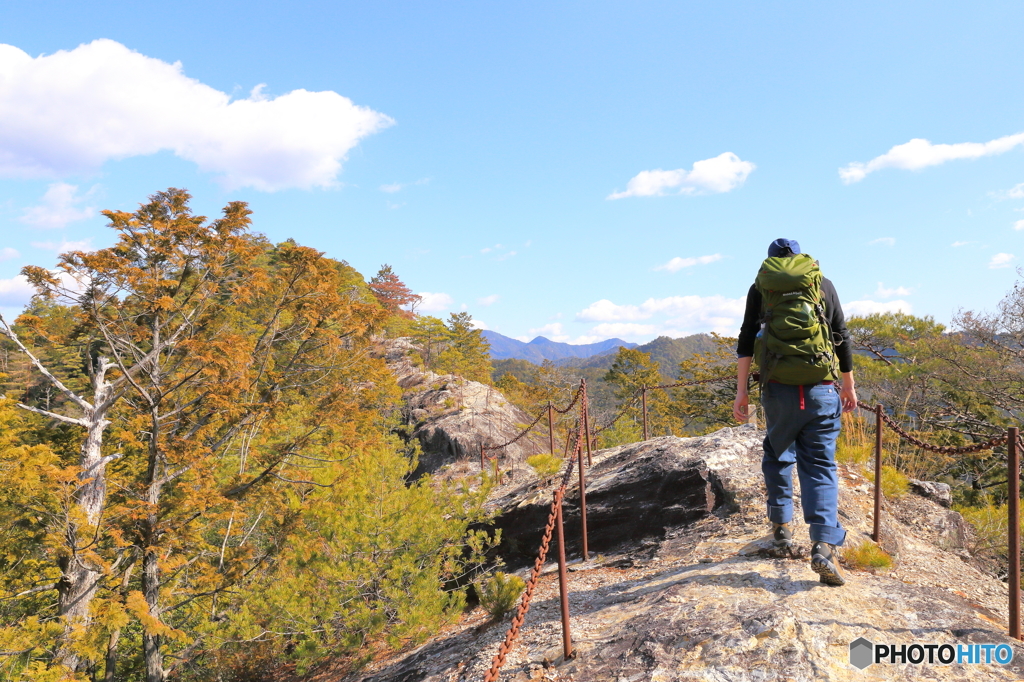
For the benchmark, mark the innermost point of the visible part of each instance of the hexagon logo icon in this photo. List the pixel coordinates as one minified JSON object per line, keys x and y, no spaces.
{"x":862,"y":653}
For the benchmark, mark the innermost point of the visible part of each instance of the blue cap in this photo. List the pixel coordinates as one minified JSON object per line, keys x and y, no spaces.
{"x":783,"y":247}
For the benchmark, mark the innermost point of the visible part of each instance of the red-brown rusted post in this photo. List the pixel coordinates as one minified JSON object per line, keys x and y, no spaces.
{"x":643,"y":399}
{"x":481,"y":455}
{"x":551,"y":429}
{"x":1013,"y":494}
{"x":563,"y":588}
{"x":876,"y":533}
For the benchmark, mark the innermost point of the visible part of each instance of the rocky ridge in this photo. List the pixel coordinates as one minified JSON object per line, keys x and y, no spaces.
{"x":451,"y":416}
{"x":682,"y":584}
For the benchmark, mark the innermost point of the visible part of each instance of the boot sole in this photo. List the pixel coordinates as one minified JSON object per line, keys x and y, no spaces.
{"x":827,"y":572}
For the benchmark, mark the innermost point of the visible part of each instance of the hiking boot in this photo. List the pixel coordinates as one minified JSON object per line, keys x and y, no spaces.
{"x":825,"y":562}
{"x":783,"y":536}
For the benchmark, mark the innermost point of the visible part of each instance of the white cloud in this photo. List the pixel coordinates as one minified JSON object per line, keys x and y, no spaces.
{"x":15,"y":291}
{"x":887,"y":241}
{"x":920,"y":153}
{"x":883,"y":292}
{"x":1019,"y":225}
{"x":551,"y":331}
{"x":677,"y":263}
{"x":679,"y":316}
{"x":434,"y":303}
{"x":722,"y":173}
{"x":60,"y":205}
{"x":478,"y":324}
{"x":488,"y":300}
{"x":865,"y":307}
{"x":961,"y":243}
{"x":620,"y":329}
{"x":1001,"y":260}
{"x":7,"y":253}
{"x":64,"y":246}
{"x":76,"y":109}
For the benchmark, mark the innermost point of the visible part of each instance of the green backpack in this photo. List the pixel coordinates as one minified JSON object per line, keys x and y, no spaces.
{"x":795,"y":343}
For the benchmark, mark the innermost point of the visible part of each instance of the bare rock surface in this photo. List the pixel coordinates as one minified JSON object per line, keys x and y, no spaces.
{"x":451,"y":417}
{"x":685,"y":586}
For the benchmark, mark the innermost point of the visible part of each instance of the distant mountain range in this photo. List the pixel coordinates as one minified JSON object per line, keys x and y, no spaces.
{"x":541,"y":349}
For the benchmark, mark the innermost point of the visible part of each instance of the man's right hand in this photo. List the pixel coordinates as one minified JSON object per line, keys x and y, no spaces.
{"x":741,"y":407}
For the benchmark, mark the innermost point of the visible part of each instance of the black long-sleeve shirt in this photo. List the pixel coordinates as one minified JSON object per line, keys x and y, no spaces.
{"x":840,"y":335}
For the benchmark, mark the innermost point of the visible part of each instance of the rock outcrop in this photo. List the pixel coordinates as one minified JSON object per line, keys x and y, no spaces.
{"x":451,"y":417}
{"x":682,"y":584}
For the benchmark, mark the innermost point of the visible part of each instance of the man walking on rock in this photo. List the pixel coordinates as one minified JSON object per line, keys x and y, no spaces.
{"x":794,"y":328}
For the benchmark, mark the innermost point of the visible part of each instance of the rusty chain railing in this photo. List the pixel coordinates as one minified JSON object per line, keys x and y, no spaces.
{"x":554,"y":521}
{"x":582,"y":435}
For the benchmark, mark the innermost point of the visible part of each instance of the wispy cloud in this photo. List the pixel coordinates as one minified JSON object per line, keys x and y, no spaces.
{"x":920,"y":153}
{"x":488,"y":300}
{"x":722,"y":173}
{"x":61,"y":205}
{"x":1001,"y":260}
{"x":7,"y":253}
{"x":74,"y":110}
{"x":64,"y":246}
{"x":883,"y":292}
{"x":434,"y":302}
{"x":886,"y":241}
{"x":1015,"y":192}
{"x":399,"y":186}
{"x":866,"y":307}
{"x":960,"y":243}
{"x":1019,"y":225}
{"x":677,"y":263}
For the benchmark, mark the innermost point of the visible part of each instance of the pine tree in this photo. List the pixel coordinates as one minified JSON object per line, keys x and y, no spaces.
{"x":392,"y":293}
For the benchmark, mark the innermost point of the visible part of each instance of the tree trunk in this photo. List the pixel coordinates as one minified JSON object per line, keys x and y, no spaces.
{"x":150,"y":641}
{"x":80,"y":579}
{"x":150,"y":565}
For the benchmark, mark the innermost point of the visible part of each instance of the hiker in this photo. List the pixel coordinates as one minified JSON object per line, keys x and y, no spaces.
{"x":794,"y":328}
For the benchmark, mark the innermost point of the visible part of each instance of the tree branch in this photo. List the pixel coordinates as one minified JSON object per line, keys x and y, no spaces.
{"x":7,"y":331}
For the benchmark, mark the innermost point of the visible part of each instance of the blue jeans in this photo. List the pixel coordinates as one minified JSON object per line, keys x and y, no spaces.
{"x":803,"y":423}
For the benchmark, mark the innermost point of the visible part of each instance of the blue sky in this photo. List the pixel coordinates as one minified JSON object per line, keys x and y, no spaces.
{"x":577,"y":170}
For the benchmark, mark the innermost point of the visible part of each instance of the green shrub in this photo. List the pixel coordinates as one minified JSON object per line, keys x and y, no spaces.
{"x":894,"y":483}
{"x":500,"y":593}
{"x":867,"y":554}
{"x":545,"y":465}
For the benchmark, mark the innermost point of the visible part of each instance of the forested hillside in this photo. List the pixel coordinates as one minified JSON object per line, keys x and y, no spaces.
{"x":208,"y":470}
{"x":202,"y":475}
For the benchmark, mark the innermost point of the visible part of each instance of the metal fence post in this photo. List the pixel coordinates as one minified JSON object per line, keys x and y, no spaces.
{"x":876,"y":533}
{"x":643,"y":398}
{"x":481,"y":455}
{"x":562,"y":586}
{"x":551,"y":430}
{"x":1013,"y":495}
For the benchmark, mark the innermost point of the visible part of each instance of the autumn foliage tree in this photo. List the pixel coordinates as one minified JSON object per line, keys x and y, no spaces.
{"x":393,"y":294}
{"x":245,"y":412}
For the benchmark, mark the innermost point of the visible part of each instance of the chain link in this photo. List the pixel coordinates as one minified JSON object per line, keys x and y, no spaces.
{"x":521,"y":435}
{"x":534,"y":423}
{"x":944,"y":449}
{"x":636,"y":396}
{"x":571,"y":405}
